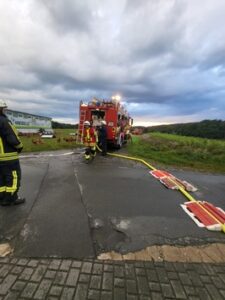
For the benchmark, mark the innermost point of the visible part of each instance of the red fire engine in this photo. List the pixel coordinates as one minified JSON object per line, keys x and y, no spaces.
{"x":118,"y":121}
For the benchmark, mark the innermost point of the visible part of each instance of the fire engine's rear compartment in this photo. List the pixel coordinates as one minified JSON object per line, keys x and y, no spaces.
{"x":97,"y":116}
{"x":118,"y":121}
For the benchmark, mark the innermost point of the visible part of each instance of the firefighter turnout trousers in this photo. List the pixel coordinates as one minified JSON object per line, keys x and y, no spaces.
{"x":10,"y":177}
{"x":90,"y":151}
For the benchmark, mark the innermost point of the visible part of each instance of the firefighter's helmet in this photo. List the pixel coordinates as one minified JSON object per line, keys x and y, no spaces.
{"x":2,"y":104}
{"x":87,"y":123}
{"x":103,"y":122}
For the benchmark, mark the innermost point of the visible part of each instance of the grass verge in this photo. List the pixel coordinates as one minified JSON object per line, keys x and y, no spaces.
{"x":185,"y":152}
{"x":35,"y":143}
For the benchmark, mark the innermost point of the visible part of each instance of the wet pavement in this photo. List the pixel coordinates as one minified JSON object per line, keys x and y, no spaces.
{"x":76,"y":212}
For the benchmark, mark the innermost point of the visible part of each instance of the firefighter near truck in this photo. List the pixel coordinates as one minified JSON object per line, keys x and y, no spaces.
{"x":117,"y":120}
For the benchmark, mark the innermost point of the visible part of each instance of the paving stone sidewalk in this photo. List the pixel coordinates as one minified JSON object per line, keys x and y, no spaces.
{"x":94,"y":279}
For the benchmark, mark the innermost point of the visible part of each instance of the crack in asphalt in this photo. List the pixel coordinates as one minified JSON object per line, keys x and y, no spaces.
{"x":89,"y":217}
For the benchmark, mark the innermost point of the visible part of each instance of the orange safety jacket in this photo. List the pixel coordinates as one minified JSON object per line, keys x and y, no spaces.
{"x":90,"y":137}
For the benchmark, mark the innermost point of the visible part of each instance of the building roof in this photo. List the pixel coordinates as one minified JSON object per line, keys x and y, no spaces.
{"x":24,"y":113}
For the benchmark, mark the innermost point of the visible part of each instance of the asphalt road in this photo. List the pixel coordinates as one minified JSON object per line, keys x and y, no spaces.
{"x":80,"y":210}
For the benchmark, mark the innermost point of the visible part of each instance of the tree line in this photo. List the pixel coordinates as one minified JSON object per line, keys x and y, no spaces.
{"x":211,"y":129}
{"x":57,"y":125}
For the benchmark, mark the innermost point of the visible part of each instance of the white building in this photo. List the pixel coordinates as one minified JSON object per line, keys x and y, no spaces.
{"x":27,"y":123}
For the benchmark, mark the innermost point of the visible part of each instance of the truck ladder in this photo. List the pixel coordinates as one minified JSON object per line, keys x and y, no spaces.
{"x":81,"y":126}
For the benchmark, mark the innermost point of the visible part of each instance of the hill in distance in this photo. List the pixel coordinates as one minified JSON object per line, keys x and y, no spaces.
{"x":211,"y":129}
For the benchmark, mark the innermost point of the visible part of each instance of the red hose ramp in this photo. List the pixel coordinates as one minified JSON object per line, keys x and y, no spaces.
{"x":171,"y":182}
{"x":215,"y":211}
{"x":196,"y":210}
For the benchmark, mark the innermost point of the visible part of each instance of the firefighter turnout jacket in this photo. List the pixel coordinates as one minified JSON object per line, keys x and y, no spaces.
{"x":90,"y":137}
{"x":10,"y":144}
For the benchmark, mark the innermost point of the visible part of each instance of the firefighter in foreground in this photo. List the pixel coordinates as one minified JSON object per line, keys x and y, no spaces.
{"x":10,"y":172}
{"x":90,"y":139}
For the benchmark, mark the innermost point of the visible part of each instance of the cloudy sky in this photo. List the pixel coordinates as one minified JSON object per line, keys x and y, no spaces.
{"x":166,"y":58}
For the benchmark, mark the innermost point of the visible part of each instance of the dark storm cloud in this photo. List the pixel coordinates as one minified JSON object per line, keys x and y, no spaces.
{"x":166,"y":58}
{"x":69,"y":16}
{"x":156,"y":37}
{"x":215,"y":59}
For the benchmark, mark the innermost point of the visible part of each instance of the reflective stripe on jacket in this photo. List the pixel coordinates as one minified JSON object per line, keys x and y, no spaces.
{"x":9,"y":141}
{"x":90,"y":137}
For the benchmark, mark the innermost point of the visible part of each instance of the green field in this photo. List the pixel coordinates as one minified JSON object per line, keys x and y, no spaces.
{"x":185,"y":152}
{"x":32,"y":144}
{"x":157,"y":148}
